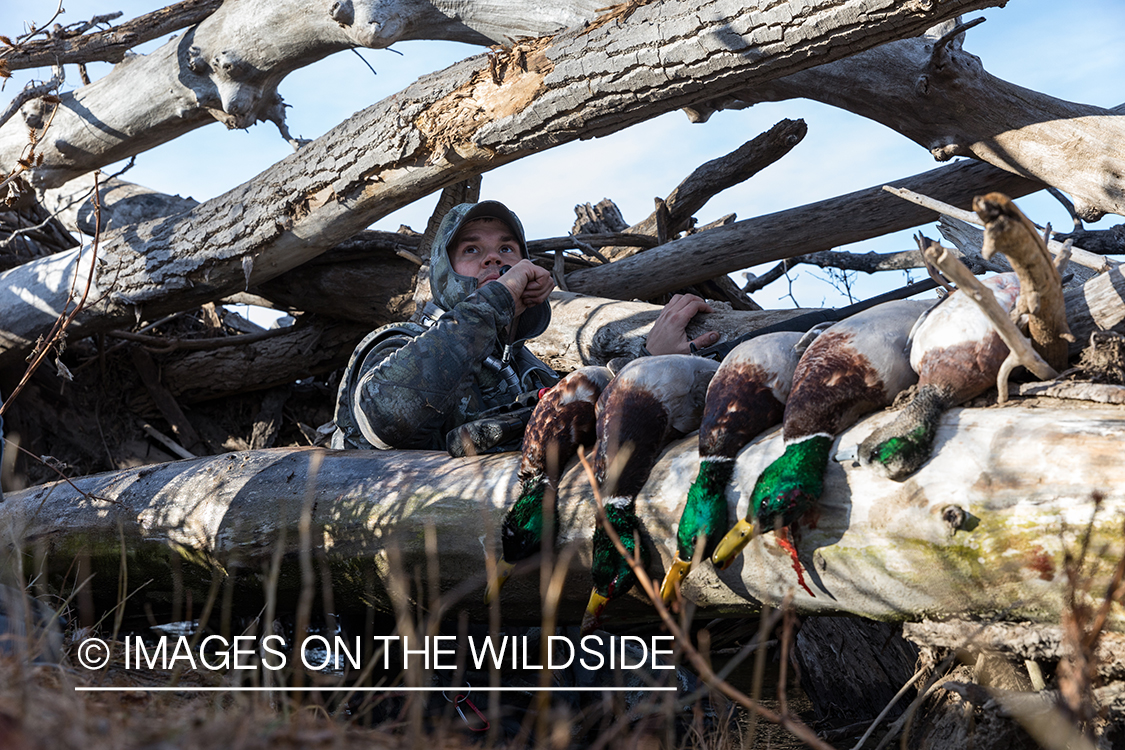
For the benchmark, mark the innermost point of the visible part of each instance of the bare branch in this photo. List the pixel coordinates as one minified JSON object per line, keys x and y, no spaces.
{"x":1020,"y":349}
{"x":1082,"y":257}
{"x":75,"y":46}
{"x":1008,"y":231}
{"x":715,"y":176}
{"x":865,"y":262}
{"x":811,"y":228}
{"x":945,"y":39}
{"x":1068,"y":205}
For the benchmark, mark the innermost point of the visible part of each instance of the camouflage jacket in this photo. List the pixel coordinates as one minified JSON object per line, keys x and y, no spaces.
{"x":407,"y":385}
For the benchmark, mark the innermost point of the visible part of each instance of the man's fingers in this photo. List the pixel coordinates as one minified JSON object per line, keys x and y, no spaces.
{"x":707,"y":339}
{"x":685,"y":307}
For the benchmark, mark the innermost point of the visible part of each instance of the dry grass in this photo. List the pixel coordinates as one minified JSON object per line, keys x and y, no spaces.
{"x":40,"y":709}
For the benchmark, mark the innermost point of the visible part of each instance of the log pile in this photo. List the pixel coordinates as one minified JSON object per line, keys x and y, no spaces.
{"x":158,"y":366}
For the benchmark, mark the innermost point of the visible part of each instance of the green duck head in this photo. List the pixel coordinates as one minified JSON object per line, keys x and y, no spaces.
{"x":898,"y":456}
{"x":899,"y":449}
{"x":785,"y":491}
{"x":611,"y":573}
{"x":705,"y":514}
{"x":521,"y":533}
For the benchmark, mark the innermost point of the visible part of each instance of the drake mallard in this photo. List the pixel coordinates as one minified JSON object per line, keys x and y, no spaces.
{"x":561,"y":421}
{"x":745,"y":398}
{"x":957,"y":354}
{"x":651,"y":401}
{"x":855,"y":366}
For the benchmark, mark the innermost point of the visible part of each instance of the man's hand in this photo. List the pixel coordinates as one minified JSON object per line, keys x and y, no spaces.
{"x":528,"y":283}
{"x":669,"y":332}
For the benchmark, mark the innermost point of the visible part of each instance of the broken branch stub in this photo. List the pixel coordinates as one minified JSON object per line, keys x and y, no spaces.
{"x":1008,"y":231}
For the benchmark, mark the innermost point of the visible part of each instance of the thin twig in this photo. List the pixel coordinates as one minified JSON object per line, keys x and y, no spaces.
{"x":24,"y":230}
{"x":63,"y":477}
{"x":32,"y":91}
{"x":162,"y":345}
{"x":887,"y":709}
{"x":1068,"y":205}
{"x":905,"y":722}
{"x":27,"y":159}
{"x":64,"y":320}
{"x":755,"y":284}
{"x":119,"y":344}
{"x":959,"y":29}
{"x":587,"y":248}
{"x":42,"y":29}
{"x":783,"y":670}
{"x":167,"y":442}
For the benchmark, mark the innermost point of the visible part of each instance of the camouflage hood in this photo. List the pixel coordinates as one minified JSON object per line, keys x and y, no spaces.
{"x":450,"y":288}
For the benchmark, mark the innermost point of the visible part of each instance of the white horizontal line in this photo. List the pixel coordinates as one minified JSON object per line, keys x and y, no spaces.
{"x":193,"y":689}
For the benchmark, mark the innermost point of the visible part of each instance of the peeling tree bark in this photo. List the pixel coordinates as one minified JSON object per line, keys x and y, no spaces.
{"x":947,"y":102}
{"x":463,"y":121}
{"x":978,"y":533}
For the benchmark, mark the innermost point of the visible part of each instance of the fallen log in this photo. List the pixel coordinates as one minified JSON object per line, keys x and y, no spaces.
{"x":593,"y":330}
{"x":979,"y":531}
{"x":228,"y":68}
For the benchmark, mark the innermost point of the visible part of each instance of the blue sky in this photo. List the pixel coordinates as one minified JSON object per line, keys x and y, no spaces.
{"x":1069,"y":50}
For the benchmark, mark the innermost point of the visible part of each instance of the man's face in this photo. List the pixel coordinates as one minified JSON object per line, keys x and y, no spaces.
{"x":482,"y":247}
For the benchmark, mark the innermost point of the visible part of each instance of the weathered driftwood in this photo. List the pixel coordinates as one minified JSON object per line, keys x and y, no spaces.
{"x":823,"y":225}
{"x":229,"y":66}
{"x":1020,"y":350}
{"x":952,"y":216}
{"x":120,"y":203}
{"x":593,"y":330}
{"x":580,"y":333}
{"x":1020,"y":640}
{"x":109,"y":45}
{"x":715,"y":176}
{"x":942,"y":98}
{"x":1093,"y":302}
{"x":889,"y":85}
{"x":979,"y":530}
{"x":472,"y":117}
{"x":368,"y":278}
{"x":1008,"y":231}
{"x":1101,"y":393}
